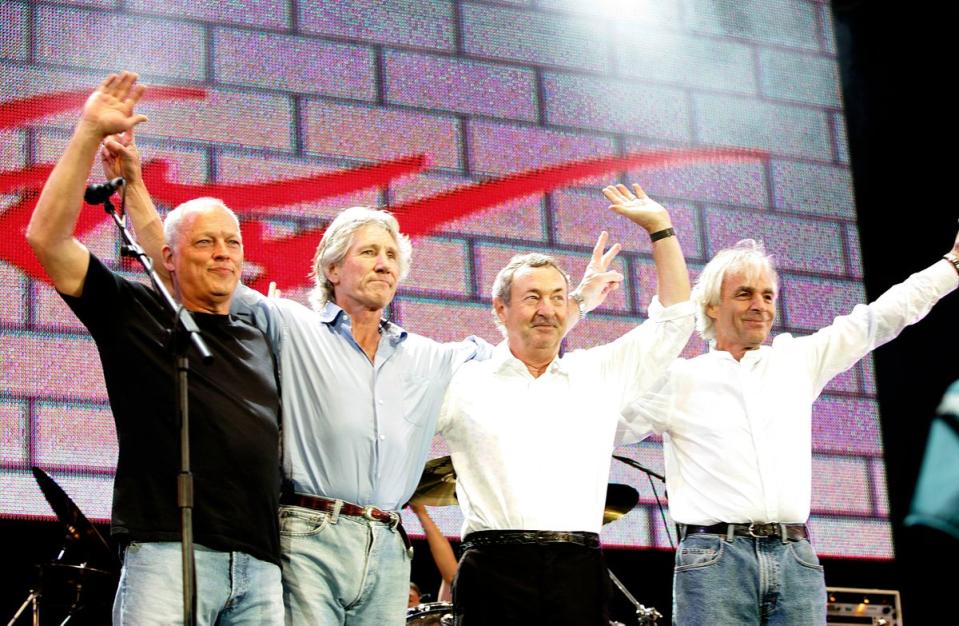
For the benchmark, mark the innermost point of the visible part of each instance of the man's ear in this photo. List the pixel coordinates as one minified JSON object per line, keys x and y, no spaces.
{"x":167,"y":253}
{"x":332,"y":272}
{"x":500,"y":307}
{"x":712,"y":311}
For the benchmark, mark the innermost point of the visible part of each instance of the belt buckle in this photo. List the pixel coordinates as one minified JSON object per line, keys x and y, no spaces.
{"x":760,"y":534}
{"x":368,"y":513}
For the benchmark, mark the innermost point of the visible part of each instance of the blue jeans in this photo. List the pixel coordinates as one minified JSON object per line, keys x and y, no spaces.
{"x":747,"y":582}
{"x":340,"y":569}
{"x":232,"y":587}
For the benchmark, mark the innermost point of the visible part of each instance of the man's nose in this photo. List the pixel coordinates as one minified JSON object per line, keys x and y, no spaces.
{"x":220,"y":248}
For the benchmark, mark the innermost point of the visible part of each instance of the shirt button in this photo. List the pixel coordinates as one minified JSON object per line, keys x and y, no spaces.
{"x":382,"y":437}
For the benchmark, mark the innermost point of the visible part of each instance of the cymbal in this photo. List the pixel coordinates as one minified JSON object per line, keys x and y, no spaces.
{"x":83,"y":539}
{"x":620,"y":500}
{"x":437,"y":486}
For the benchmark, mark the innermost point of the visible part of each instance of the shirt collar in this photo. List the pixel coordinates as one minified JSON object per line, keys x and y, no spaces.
{"x":504,"y":362}
{"x":332,"y":315}
{"x":750,"y":356}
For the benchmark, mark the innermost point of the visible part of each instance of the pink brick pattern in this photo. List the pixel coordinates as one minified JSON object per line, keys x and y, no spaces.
{"x":296,"y":64}
{"x":376,"y":134}
{"x":13,"y":41}
{"x":587,"y":102}
{"x":485,"y":90}
{"x":835,"y":480}
{"x":77,"y":436}
{"x":268,"y":14}
{"x":448,"y":83}
{"x":156,"y":47}
{"x":496,"y":148}
{"x":438,"y":269}
{"x":14,"y":435}
{"x":536,"y":38}
{"x":407,"y":23}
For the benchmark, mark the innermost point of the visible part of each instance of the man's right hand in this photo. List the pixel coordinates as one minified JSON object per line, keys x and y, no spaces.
{"x":109,"y":109}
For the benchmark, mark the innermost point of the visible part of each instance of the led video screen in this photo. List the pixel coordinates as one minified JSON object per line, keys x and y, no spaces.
{"x":488,"y":127}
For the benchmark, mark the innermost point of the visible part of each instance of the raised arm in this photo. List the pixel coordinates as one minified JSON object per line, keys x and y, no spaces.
{"x":121,"y":157}
{"x":107,"y":111}
{"x":672,"y":277}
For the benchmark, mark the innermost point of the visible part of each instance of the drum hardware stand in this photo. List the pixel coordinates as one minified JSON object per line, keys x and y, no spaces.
{"x":644,"y":616}
{"x":32,"y":599}
{"x":83,"y":568}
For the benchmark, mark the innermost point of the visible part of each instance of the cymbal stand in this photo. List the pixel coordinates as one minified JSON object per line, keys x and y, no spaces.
{"x":644,"y":616}
{"x":32,"y":598}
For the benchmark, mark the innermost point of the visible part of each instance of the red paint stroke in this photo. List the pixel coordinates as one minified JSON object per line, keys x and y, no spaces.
{"x":418,"y":217}
{"x":260,"y":197}
{"x":425,"y":216}
{"x":421,"y":217}
{"x":16,"y":113}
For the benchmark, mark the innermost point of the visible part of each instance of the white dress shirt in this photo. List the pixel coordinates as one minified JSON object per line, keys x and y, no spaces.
{"x":534,"y":453}
{"x":737,"y":435}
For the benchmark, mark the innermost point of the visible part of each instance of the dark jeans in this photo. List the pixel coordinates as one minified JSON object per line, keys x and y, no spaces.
{"x":556,"y":583}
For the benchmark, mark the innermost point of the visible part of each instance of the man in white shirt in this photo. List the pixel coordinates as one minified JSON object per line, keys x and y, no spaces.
{"x":737,"y":437}
{"x":531,"y":434}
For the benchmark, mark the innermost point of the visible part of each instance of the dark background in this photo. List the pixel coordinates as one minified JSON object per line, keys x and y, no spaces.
{"x":898,"y":66}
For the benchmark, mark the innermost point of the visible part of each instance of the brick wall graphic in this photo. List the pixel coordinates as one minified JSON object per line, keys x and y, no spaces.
{"x":488,"y":126}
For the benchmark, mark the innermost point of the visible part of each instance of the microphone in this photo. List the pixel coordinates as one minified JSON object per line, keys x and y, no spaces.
{"x":100,"y":193}
{"x":638,"y":466}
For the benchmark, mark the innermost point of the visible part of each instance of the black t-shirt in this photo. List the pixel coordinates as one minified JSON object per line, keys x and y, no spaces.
{"x":234,"y":408}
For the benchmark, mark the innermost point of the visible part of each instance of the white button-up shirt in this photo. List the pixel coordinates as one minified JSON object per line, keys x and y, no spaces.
{"x":737,"y":435}
{"x":534,"y":453}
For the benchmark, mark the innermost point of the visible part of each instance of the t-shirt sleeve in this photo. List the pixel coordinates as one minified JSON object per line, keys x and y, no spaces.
{"x":101,"y":292}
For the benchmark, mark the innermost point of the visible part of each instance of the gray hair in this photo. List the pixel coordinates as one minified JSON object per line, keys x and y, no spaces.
{"x":336,"y":244}
{"x":748,"y":255}
{"x":503,"y":282}
{"x":173,"y":224}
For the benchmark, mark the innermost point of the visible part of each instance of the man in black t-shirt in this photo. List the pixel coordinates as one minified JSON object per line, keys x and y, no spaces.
{"x":234,"y":402}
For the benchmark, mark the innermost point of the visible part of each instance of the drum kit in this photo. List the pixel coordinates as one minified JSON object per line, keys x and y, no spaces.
{"x":437,"y":487}
{"x":77,"y":586}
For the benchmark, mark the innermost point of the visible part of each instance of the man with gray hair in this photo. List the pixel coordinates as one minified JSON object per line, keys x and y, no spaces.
{"x":737,"y":437}
{"x":360,"y":396}
{"x":234,"y":401}
{"x":531,"y":432}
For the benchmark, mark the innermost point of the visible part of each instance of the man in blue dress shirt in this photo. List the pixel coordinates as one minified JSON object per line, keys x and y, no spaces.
{"x":361,"y":398}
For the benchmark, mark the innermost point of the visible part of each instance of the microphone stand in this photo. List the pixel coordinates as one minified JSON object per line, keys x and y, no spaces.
{"x":639,"y":466}
{"x":650,"y":474}
{"x":644,"y":616}
{"x":185,"y":333}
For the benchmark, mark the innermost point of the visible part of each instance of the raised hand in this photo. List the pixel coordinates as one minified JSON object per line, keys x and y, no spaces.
{"x":109,"y":109}
{"x":598,"y":280}
{"x":638,"y":207}
{"x":121,"y":157}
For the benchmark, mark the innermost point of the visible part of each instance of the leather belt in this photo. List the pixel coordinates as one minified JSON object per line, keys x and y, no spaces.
{"x":791,"y":532}
{"x":528,"y":537}
{"x":341,"y":507}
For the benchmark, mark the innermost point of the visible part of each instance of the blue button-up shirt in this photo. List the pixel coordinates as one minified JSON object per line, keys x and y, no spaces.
{"x":352,"y":429}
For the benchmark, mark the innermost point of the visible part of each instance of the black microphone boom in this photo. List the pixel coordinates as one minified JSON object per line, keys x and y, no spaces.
{"x":101,"y":192}
{"x":637,"y":465}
